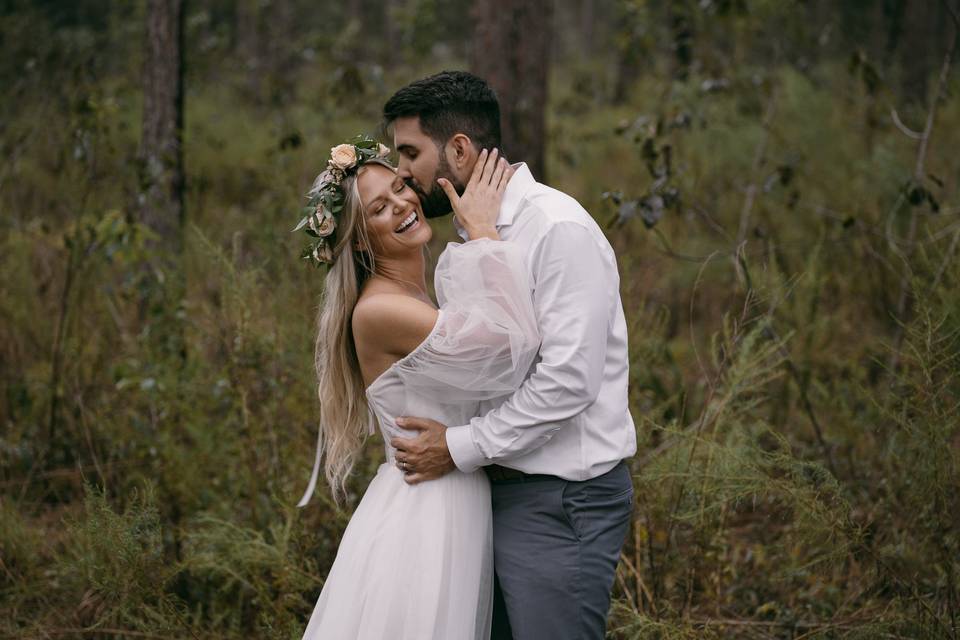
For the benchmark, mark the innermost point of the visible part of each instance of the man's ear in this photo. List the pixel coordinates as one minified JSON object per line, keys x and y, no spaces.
{"x":461,"y":153}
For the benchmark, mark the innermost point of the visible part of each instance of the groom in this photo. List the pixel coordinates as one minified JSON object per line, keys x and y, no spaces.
{"x":554,"y":450}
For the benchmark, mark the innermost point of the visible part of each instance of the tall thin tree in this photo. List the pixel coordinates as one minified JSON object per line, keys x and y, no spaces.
{"x":162,"y":176}
{"x":511,"y":47}
{"x":161,"y":148}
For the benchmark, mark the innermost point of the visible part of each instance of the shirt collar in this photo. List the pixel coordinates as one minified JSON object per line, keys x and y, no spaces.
{"x":513,"y":196}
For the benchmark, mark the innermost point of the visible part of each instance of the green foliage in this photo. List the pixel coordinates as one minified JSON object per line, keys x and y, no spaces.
{"x":104,"y":571}
{"x":116,"y":561}
{"x":242,"y":577}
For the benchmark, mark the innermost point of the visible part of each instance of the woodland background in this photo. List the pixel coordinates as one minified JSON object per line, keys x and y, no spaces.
{"x":778,"y":178}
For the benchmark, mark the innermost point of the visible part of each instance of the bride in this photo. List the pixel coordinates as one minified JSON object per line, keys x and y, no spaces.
{"x":416,"y":560}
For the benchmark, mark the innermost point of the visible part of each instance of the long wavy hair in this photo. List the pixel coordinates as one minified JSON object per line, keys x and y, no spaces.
{"x":345,"y":416}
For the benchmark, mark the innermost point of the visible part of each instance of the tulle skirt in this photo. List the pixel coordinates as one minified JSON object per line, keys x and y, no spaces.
{"x":415,"y":563}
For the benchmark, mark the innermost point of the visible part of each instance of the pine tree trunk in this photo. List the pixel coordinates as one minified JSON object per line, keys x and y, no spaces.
{"x":162,"y":179}
{"x":161,"y":154}
{"x":511,"y":46}
{"x":161,"y":144}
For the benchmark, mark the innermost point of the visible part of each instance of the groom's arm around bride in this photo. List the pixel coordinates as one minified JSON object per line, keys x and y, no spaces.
{"x":554,"y":450}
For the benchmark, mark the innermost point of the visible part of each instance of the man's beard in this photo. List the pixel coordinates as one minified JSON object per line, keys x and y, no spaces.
{"x":436,"y":203}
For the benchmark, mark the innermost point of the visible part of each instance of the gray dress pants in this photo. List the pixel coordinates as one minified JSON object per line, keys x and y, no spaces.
{"x":556,"y":547}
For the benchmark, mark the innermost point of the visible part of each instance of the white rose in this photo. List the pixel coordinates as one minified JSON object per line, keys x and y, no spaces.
{"x":343,"y":156}
{"x":382,"y":150}
{"x":322,"y":224}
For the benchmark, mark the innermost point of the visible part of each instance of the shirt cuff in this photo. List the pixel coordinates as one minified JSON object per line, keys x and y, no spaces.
{"x":462,"y":449}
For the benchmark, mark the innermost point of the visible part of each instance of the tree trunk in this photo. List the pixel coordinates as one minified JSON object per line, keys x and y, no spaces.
{"x":161,"y":154}
{"x":162,"y":181}
{"x":161,"y":145}
{"x":511,"y":46}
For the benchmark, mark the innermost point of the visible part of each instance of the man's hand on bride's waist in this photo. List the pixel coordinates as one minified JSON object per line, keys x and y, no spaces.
{"x":479,"y":206}
{"x":426,"y":456}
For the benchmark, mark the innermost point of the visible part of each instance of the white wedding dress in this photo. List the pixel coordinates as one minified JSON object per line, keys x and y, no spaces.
{"x":416,"y":561}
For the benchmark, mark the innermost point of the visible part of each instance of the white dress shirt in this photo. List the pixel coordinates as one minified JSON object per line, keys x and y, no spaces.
{"x":570,"y":417}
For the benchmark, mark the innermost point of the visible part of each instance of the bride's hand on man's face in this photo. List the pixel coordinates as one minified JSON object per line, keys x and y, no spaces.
{"x":477,"y":209}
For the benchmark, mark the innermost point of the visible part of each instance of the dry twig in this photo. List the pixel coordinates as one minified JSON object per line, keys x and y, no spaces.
{"x":919,"y":172}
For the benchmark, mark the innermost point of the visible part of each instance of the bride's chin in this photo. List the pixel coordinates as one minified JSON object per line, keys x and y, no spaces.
{"x":423,"y":233}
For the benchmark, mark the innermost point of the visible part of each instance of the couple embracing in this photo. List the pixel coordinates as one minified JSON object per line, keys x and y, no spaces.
{"x":504,"y":501}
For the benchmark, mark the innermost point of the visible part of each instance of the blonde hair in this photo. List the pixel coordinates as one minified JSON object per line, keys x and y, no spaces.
{"x":345,"y":417}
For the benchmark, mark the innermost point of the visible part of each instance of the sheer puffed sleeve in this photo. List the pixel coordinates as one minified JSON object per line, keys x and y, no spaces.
{"x":482,"y":345}
{"x":486,"y":335}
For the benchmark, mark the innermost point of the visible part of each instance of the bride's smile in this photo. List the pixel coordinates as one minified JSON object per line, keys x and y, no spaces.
{"x":408,"y":223}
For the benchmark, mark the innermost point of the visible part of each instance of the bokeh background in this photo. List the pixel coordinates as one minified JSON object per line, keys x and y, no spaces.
{"x":778,"y":178}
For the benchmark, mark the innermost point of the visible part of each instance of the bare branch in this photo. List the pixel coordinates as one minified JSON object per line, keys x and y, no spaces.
{"x":918,"y":175}
{"x":907,"y":131}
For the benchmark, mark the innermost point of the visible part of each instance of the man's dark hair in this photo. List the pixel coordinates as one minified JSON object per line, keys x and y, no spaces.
{"x":448,"y":103}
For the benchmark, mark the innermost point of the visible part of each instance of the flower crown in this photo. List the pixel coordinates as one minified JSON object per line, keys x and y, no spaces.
{"x":326,"y":196}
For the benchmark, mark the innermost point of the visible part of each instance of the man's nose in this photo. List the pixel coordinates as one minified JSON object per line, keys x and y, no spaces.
{"x":403,"y":170}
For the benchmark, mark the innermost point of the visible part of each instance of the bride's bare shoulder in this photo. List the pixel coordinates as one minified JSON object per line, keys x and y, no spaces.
{"x":393,"y":323}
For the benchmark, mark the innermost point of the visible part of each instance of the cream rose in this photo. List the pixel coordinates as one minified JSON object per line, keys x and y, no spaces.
{"x":322,"y":224}
{"x":382,"y":150}
{"x":343,"y":156}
